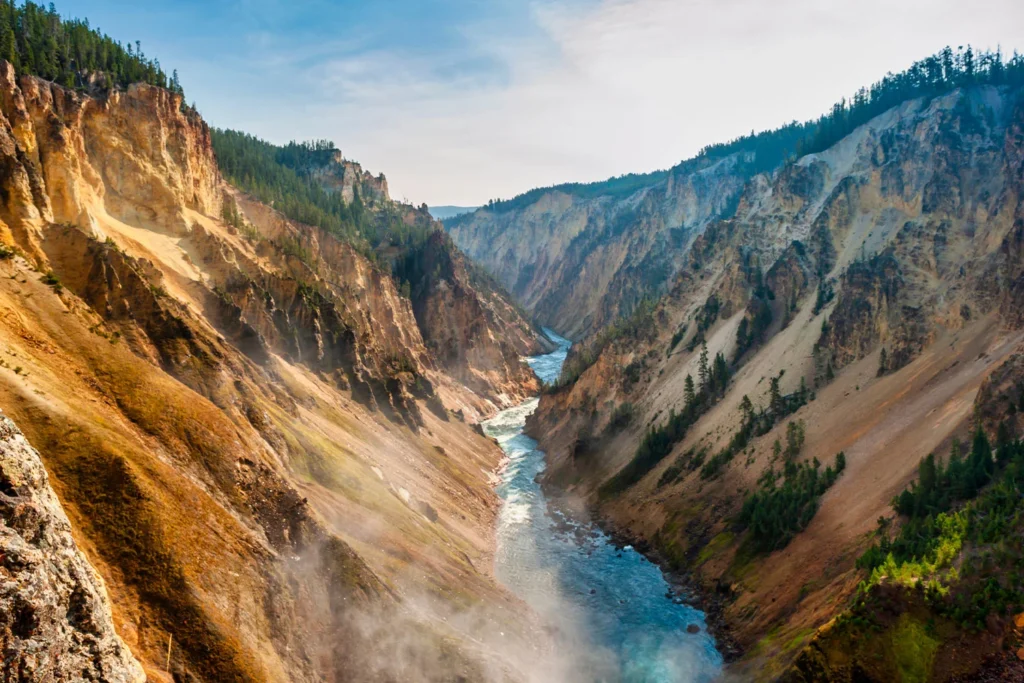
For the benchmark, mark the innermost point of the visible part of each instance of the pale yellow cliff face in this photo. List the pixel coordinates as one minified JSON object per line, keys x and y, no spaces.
{"x":132,"y":156}
{"x":256,"y":449}
{"x":348,"y":178}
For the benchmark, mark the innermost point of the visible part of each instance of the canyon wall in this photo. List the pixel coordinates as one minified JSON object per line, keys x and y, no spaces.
{"x":876,"y":284}
{"x":252,"y":431}
{"x":578,"y":261}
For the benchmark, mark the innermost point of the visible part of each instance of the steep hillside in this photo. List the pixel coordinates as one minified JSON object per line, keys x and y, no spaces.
{"x":246,"y":422}
{"x":862,"y":300}
{"x":580,"y":256}
{"x":314,"y":183}
{"x":577,"y":262}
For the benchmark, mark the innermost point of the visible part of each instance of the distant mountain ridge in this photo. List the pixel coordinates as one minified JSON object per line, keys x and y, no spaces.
{"x":450,"y":211}
{"x":581,"y":255}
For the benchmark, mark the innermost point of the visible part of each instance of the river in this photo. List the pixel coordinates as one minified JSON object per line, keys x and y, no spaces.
{"x":606,"y":608}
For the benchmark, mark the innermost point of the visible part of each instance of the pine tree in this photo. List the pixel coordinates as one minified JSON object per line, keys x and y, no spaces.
{"x":956,"y":472}
{"x":1004,"y":443}
{"x":39,"y":42}
{"x":980,"y":460}
{"x":689,"y":393}
{"x":927,"y":475}
{"x":720,"y":373}
{"x":702,"y":368}
{"x":7,"y":40}
{"x":747,"y":409}
{"x":775,"y":401}
{"x":794,"y":438}
{"x":743,"y":340}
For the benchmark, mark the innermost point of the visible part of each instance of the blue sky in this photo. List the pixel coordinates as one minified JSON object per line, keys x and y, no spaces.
{"x":460,"y":101}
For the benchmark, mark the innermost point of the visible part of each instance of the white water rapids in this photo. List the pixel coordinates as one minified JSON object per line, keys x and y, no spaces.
{"x":607,"y":608}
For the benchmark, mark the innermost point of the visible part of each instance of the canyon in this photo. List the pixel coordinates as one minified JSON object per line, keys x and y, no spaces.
{"x":259,"y":421}
{"x":267,"y":454}
{"x":579,"y":262}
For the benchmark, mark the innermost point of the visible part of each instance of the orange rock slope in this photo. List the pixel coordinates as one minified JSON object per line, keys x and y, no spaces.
{"x":265,"y":458}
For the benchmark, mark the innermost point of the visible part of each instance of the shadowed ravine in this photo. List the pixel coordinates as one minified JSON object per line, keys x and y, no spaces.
{"x":607,"y":608}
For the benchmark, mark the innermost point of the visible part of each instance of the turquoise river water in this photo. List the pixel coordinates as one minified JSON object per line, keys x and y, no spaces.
{"x":606,"y":607}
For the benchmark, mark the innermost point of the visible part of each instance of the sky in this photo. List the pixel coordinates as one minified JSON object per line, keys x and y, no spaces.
{"x":462,"y":101}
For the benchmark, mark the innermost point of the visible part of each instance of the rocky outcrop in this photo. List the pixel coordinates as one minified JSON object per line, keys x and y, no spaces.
{"x":347,"y":177}
{"x":134,"y":153}
{"x":461,"y":327}
{"x":56,"y":622}
{"x":137,"y":158}
{"x":878,"y":277}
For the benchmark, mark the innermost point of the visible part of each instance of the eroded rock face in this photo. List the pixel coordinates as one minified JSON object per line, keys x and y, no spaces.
{"x":348,"y":177}
{"x":578,"y":263}
{"x":467,"y":321}
{"x":478,"y":339}
{"x":136,"y":159}
{"x":55,"y":621}
{"x":136,"y":153}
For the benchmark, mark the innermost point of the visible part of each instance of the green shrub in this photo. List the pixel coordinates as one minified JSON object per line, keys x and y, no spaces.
{"x":659,"y":442}
{"x":51,"y":279}
{"x":621,"y":417}
{"x":975,"y":502}
{"x":676,"y":338}
{"x":775,"y":513}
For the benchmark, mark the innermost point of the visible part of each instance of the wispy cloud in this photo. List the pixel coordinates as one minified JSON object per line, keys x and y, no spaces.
{"x":459,"y":101}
